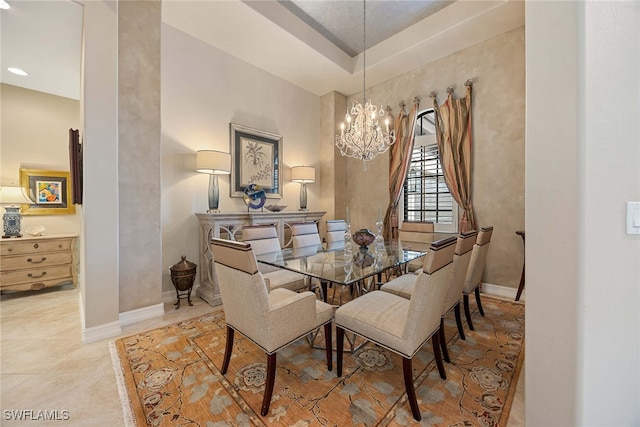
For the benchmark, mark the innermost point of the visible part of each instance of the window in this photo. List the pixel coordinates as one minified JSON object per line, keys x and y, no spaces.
{"x":426,"y":196}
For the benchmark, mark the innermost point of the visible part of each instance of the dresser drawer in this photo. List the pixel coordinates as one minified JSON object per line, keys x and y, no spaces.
{"x":34,"y":247}
{"x":37,"y":285}
{"x":16,"y":277}
{"x":38,"y":260}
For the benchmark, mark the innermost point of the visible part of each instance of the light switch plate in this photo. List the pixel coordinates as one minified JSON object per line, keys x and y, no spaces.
{"x":633,"y":217}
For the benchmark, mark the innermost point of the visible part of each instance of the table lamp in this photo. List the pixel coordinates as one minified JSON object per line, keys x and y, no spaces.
{"x":214,"y":163}
{"x":12,"y":197}
{"x":303,"y":175}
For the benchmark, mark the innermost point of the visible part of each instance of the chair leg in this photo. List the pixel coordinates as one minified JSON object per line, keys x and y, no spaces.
{"x":328,"y":345}
{"x":227,"y":350}
{"x":479,"y":302}
{"x":268,"y":387}
{"x":435,"y":342}
{"x":339,"y":347}
{"x":323,"y":289}
{"x":467,"y":312}
{"x":443,"y":342}
{"x":408,"y":385}
{"x":459,"y":322}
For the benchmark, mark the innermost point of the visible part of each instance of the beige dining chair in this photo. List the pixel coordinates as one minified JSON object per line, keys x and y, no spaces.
{"x":264,"y":240}
{"x":476,"y":269}
{"x":403,"y":325}
{"x":404,"y":286}
{"x":305,"y":234}
{"x":335,"y":234}
{"x":271,"y":320}
{"x":417,"y":236}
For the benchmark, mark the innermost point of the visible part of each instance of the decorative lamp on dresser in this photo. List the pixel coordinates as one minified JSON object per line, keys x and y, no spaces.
{"x":34,"y":263}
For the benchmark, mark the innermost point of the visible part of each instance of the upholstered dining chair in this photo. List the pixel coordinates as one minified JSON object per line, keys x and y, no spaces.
{"x":335,"y":234}
{"x":264,"y":239}
{"x":403,"y":325}
{"x":271,"y":320}
{"x":474,"y":274}
{"x":418,"y":236}
{"x":404,"y":286}
{"x":305,"y":234}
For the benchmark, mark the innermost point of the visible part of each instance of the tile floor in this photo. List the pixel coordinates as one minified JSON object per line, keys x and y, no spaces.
{"x":45,"y":366}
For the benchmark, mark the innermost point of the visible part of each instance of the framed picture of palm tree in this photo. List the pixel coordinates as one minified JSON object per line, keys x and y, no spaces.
{"x":256,"y":157}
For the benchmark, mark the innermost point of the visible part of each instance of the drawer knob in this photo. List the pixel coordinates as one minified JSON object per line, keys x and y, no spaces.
{"x":43,"y":259}
{"x":37,"y":286}
{"x":36,"y":246}
{"x":37,"y":277}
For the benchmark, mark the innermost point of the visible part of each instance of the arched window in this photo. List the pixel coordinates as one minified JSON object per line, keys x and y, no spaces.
{"x":426,"y":196}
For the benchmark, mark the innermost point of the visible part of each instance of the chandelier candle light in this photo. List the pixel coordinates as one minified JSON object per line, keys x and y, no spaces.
{"x":363,"y":137}
{"x":214,"y":163}
{"x":304,"y":175}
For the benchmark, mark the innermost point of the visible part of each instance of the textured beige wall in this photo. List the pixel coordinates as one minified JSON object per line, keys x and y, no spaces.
{"x":139,"y":154}
{"x":497,"y":68}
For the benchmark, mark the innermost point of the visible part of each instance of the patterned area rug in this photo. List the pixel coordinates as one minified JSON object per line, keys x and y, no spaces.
{"x":172,"y":377}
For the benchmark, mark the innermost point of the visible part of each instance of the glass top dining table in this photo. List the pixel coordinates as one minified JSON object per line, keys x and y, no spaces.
{"x":342,"y":266}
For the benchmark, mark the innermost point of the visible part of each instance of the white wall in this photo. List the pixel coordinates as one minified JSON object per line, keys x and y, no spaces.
{"x":609,"y":272}
{"x":99,"y":272}
{"x":583,"y":274}
{"x":203,"y":90}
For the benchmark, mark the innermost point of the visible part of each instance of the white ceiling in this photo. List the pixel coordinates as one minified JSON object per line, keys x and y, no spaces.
{"x":313,"y":44}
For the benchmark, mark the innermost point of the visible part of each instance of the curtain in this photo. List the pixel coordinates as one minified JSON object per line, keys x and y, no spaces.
{"x":453,"y":133}
{"x":399,"y":159}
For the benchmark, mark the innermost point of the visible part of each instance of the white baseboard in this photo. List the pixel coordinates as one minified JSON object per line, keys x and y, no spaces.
{"x":500,"y":291}
{"x":139,"y":314}
{"x":101,"y":332}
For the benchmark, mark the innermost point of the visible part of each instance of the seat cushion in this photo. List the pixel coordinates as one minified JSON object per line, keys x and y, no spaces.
{"x":379,"y":317}
{"x":281,"y":278}
{"x":401,"y":286}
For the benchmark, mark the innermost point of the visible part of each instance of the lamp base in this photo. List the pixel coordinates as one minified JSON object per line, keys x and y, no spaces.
{"x":12,"y":219}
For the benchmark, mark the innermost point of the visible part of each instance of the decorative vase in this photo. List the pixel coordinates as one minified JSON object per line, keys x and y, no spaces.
{"x":364,"y":238}
{"x":183,"y":274}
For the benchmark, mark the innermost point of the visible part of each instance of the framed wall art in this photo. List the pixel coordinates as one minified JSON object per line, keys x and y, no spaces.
{"x":256,"y":157}
{"x":50,"y":190}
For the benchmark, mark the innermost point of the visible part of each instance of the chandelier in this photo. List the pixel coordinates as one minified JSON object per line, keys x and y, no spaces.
{"x":363,"y":137}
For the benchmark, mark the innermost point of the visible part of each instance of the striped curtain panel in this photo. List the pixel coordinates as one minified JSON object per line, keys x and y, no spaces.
{"x":453,"y":133}
{"x":399,"y":159}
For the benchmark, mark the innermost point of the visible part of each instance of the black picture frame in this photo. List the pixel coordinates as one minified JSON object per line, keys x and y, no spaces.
{"x":256,"y":158}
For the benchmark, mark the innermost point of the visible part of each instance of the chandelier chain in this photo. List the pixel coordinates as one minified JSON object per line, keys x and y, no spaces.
{"x":364,"y":51}
{"x":363,"y":137}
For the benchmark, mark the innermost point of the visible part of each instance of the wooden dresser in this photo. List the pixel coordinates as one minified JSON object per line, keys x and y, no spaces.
{"x":33,"y":263}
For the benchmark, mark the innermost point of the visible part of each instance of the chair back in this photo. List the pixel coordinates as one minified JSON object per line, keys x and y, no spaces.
{"x":262,"y":238}
{"x":428,"y":295}
{"x":478,"y":259}
{"x":416,"y":231}
{"x":461,"y":259}
{"x":335,"y":234}
{"x":305,"y":234}
{"x":242,"y":287}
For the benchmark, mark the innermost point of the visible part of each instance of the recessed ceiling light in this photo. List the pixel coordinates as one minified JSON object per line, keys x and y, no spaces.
{"x":4,"y":5}
{"x":17,"y":71}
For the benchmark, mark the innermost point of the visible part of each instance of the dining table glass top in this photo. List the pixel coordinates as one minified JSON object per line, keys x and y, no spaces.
{"x":339,"y":265}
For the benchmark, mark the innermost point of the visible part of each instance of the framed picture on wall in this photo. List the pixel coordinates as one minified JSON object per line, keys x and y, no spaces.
{"x":50,"y":190}
{"x":256,"y":157}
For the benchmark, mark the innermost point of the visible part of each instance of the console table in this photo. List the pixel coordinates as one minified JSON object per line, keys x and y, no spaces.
{"x":227,"y":226}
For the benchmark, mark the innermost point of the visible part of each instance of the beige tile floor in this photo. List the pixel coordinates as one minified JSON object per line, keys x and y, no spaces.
{"x":45,"y":366}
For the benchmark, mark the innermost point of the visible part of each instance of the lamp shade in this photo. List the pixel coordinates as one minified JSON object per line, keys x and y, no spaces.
{"x":213,"y":162}
{"x":13,"y":196}
{"x":303,"y":174}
